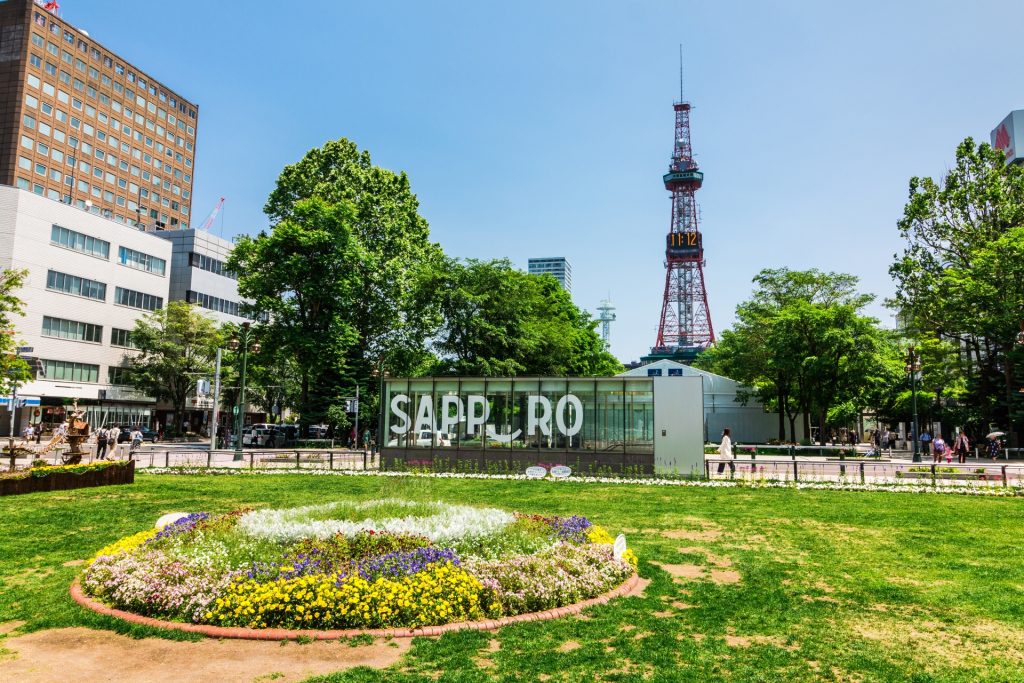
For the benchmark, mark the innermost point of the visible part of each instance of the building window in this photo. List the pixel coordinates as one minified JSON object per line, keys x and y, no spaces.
{"x":72,"y":329}
{"x":140,"y":261}
{"x":68,"y":371}
{"x":122,"y":338}
{"x":210,"y":264}
{"x":79,"y":242}
{"x":78,"y":286}
{"x":133,"y":299}
{"x":212,"y":303}
{"x":119,"y":376}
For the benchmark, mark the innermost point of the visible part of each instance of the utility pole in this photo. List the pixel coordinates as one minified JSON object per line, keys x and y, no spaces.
{"x":359,"y":441}
{"x":216,"y":404}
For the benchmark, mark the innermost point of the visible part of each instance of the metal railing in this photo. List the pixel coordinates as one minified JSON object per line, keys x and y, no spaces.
{"x":771,"y":468}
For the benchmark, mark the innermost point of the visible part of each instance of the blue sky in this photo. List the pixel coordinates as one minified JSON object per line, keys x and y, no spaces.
{"x":543,"y":128}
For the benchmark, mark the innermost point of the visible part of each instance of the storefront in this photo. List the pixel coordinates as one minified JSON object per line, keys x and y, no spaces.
{"x":507,"y":424}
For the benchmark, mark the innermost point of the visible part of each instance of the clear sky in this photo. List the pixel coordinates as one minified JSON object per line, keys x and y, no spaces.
{"x":543,"y":128}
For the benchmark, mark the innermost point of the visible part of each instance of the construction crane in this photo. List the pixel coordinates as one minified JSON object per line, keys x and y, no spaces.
{"x":213,"y":215}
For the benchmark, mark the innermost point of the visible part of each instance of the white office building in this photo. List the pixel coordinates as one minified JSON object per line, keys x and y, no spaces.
{"x":89,"y":279}
{"x":557,"y":266}
{"x":199,"y":273}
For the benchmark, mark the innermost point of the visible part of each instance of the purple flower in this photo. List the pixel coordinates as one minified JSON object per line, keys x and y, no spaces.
{"x":571,"y":528}
{"x":397,"y":564}
{"x":182,"y":526}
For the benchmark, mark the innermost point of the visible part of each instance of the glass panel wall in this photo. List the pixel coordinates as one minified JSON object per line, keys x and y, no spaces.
{"x":639,"y":417}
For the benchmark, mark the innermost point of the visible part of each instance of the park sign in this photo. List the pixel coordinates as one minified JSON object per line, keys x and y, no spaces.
{"x":564,"y":415}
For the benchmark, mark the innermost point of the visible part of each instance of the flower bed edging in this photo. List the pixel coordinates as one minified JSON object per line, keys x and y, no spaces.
{"x":113,"y":474}
{"x":84,"y":600}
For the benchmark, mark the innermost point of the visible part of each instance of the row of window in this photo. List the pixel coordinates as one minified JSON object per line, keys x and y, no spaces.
{"x":119,"y":69}
{"x":60,"y":328}
{"x":93,"y":246}
{"x":140,"y":261}
{"x":51,"y":193}
{"x":212,"y":303}
{"x":65,"y":97}
{"x":92,"y":289}
{"x":210,"y":264}
{"x":70,"y":371}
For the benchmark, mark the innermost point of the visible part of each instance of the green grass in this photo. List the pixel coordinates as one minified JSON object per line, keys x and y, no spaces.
{"x":833,"y":586}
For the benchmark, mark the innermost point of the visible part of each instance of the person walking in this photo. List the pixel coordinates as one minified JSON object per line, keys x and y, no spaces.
{"x":938,"y":449}
{"x":725,"y":450}
{"x":112,"y":436}
{"x":136,"y":437}
{"x":961,"y":446}
{"x":993,"y":448}
{"x":101,"y":444}
{"x":926,"y":443}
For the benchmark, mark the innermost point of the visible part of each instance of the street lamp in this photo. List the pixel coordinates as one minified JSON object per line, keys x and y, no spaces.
{"x":382,"y":375}
{"x":913,"y":368}
{"x":244,"y":339}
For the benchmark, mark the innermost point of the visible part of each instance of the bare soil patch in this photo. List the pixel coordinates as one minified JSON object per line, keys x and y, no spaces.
{"x":725,"y":576}
{"x":682,"y":571}
{"x":692,"y":534}
{"x":568,"y":646}
{"x":88,"y":656}
{"x":8,"y":626}
{"x":747,"y":641}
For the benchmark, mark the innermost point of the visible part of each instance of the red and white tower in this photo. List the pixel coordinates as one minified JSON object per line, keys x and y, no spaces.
{"x":685,"y":329}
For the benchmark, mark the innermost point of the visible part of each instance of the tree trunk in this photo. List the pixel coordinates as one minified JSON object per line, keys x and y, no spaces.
{"x":822,"y":414}
{"x":782,"y":417}
{"x":1008,"y":377}
{"x":807,"y":425}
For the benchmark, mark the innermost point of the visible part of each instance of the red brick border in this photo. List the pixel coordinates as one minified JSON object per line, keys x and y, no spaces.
{"x":288,"y":634}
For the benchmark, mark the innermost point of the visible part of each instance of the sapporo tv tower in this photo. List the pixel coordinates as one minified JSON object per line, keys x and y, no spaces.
{"x":685,"y":328}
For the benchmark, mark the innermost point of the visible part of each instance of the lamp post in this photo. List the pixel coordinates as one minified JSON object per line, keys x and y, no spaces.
{"x":242,"y":339}
{"x":381,"y":375}
{"x":914,"y":367}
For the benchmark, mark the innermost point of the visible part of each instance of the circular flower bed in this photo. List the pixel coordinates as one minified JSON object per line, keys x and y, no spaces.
{"x":344,"y":565}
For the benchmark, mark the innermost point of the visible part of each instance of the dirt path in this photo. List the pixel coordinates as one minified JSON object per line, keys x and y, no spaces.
{"x":88,"y":656}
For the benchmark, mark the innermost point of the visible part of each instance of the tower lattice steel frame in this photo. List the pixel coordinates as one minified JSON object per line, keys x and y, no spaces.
{"x":685,"y":328}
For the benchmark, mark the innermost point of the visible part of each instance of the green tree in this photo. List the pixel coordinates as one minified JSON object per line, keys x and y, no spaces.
{"x":391,"y":323}
{"x":804,"y":347}
{"x":498,"y":321}
{"x":13,"y":370}
{"x":956,"y":279}
{"x":302,"y":277}
{"x":175,"y":347}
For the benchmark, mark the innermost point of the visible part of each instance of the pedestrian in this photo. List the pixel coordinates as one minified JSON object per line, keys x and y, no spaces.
{"x":136,"y":437}
{"x":725,"y":450}
{"x":993,"y":448}
{"x":926,"y":442}
{"x":26,"y":433}
{"x":112,"y":436}
{"x":39,"y":433}
{"x":887,"y":439}
{"x":939,"y":450}
{"x":853,"y":437}
{"x":961,"y":446}
{"x":876,"y":439}
{"x":101,"y":444}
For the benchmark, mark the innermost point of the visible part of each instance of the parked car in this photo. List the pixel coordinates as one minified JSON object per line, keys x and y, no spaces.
{"x":425,"y":438}
{"x":126,"y":433}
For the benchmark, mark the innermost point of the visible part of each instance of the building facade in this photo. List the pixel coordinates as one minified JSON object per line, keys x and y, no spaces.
{"x":557,"y":266}
{"x":199,"y":273}
{"x":89,"y":280}
{"x":81,"y":125}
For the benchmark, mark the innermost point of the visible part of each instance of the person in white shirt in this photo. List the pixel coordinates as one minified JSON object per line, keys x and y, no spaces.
{"x":136,"y":437}
{"x":725,"y":450}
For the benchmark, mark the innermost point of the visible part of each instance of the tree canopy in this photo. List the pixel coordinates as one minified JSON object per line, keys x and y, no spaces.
{"x":499,"y":321}
{"x":13,"y":370}
{"x":804,"y":346}
{"x":174,"y":348}
{"x":960,"y":278}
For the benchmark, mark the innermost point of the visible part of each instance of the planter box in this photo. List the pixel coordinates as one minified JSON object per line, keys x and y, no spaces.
{"x":64,"y":481}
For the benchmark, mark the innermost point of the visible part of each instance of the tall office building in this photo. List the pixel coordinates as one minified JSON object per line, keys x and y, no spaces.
{"x":557,"y":266}
{"x":81,"y":125}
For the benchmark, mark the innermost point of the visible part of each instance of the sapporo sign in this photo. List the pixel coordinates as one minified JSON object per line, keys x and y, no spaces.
{"x":564,"y":415}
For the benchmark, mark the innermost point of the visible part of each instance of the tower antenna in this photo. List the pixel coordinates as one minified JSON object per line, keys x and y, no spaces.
{"x":681,"y":72}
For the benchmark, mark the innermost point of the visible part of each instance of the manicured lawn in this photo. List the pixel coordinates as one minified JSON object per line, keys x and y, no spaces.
{"x":769,"y":585}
